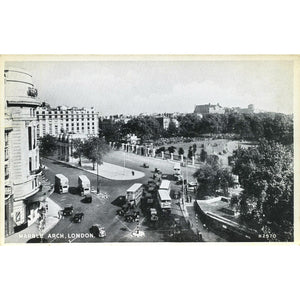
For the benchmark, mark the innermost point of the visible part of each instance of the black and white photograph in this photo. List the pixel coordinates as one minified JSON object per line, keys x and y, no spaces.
{"x":149,"y":149}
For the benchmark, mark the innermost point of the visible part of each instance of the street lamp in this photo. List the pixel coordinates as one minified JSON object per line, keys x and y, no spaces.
{"x":98,"y":188}
{"x":97,"y":162}
{"x":124,"y":163}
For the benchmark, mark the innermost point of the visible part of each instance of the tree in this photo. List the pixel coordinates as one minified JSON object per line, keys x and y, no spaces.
{"x":180,"y":151}
{"x":172,"y":129}
{"x":203,"y":155}
{"x":161,"y":149}
{"x":47,"y":145}
{"x":113,"y":132}
{"x":190,"y":152}
{"x":78,"y":145}
{"x":144,"y":127}
{"x":211,"y":178}
{"x":266,"y":174}
{"x":171,"y":149}
{"x":194,"y":149}
{"x":94,"y":149}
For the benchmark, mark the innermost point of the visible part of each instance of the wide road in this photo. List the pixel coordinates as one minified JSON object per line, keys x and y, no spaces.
{"x":103,"y":210}
{"x":100,"y":211}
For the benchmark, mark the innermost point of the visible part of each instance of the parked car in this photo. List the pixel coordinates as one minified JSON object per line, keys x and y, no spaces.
{"x":164,"y":176}
{"x":157,"y":171}
{"x":68,"y":211}
{"x":145,"y":165}
{"x":78,"y":217}
{"x":98,"y":231}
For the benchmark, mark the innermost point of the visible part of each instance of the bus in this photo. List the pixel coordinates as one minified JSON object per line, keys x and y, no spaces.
{"x":164,"y":200}
{"x":134,"y":194}
{"x":177,"y":169}
{"x":61,"y":184}
{"x":84,"y":185}
{"x":165,"y":185}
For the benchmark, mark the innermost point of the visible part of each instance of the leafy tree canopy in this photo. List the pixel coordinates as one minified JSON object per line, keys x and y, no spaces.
{"x":47,"y":145}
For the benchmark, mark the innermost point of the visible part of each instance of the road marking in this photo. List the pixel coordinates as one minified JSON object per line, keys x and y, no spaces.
{"x":123,"y":223}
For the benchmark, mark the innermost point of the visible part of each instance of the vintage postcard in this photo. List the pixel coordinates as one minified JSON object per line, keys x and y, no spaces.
{"x":98,"y":149}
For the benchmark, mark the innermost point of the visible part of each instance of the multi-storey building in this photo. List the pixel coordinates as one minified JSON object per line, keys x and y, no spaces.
{"x":22,"y":167}
{"x":9,"y":223}
{"x":209,"y":109}
{"x":62,"y":119}
{"x":250,"y":109}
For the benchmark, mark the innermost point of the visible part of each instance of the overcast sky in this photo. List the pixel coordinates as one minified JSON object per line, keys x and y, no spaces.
{"x":132,"y":87}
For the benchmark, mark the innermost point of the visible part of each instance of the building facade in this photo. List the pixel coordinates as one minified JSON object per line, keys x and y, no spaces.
{"x":8,"y":191}
{"x":61,"y":119}
{"x":209,"y":109}
{"x":22,"y":163}
{"x":66,"y":147}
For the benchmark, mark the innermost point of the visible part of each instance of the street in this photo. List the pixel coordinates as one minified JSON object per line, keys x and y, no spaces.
{"x":104,"y":206}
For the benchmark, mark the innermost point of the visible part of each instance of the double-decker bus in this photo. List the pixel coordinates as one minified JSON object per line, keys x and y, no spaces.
{"x":164,"y":200}
{"x":165,"y":185}
{"x":134,"y":194}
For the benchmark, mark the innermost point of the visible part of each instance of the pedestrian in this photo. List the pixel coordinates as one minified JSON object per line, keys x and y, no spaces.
{"x":47,"y":207}
{"x":58,"y":214}
{"x":132,"y":173}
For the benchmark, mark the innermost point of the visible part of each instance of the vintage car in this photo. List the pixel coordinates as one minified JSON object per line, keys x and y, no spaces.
{"x":68,"y":211}
{"x":98,"y":231}
{"x":78,"y":217}
{"x":145,"y":165}
{"x":133,"y":216}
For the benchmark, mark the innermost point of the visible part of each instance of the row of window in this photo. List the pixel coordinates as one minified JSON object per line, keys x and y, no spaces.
{"x":75,"y":114}
{"x":67,"y":119}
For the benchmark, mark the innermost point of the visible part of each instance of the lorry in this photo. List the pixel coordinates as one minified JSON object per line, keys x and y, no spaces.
{"x":61,"y":184}
{"x":84,"y":185}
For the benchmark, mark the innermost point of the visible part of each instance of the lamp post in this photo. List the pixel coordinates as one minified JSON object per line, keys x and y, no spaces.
{"x":98,"y":188}
{"x":97,"y":162}
{"x":124,"y":162}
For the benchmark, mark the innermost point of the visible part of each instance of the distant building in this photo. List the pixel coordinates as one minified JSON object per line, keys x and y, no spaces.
{"x":165,"y":121}
{"x":209,"y":109}
{"x":22,"y":163}
{"x":62,"y":119}
{"x":250,"y":109}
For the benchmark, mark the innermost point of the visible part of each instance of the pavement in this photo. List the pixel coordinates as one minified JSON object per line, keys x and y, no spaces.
{"x":33,"y":230}
{"x":106,"y":170}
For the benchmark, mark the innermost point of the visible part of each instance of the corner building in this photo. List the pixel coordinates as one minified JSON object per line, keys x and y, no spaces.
{"x":23,"y":166}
